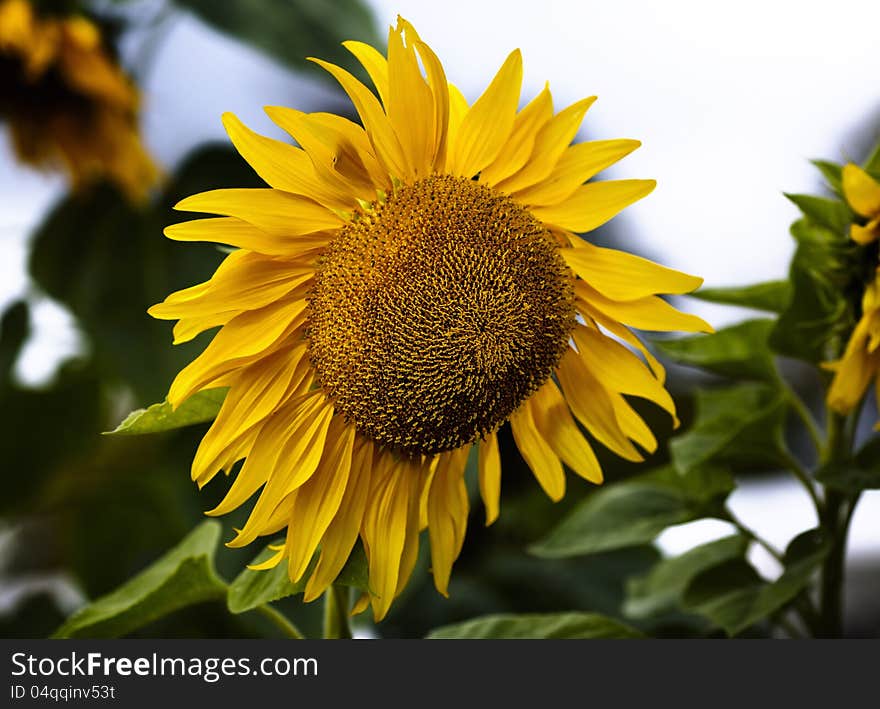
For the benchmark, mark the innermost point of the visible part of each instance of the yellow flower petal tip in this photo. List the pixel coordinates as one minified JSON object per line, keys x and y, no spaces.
{"x":402,"y":289}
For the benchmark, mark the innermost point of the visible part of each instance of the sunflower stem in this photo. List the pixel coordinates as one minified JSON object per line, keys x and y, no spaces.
{"x":803,"y":476}
{"x":804,"y":414}
{"x":281,"y":622}
{"x":336,"y":612}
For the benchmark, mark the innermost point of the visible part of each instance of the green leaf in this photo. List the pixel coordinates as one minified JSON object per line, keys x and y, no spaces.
{"x":661,"y":590}
{"x":833,"y":214}
{"x":200,"y":407}
{"x":739,"y":351}
{"x":740,"y":427}
{"x":252,"y":589}
{"x":827,"y":274}
{"x":772,"y":296}
{"x":635,"y":511}
{"x":832,"y":174}
{"x":537,"y":626}
{"x":291,"y":30}
{"x":182,"y":577}
{"x":14,"y":330}
{"x":735,"y":597}
{"x":862,"y":472}
{"x":872,"y":164}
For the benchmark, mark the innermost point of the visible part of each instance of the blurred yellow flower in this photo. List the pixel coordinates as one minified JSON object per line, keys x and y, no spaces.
{"x":67,"y":102}
{"x":854,"y":371}
{"x":401,"y":291}
{"x":863,"y":194}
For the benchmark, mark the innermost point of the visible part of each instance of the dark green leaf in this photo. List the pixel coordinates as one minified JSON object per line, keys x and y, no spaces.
{"x":14,"y":330}
{"x":827,"y":275}
{"x":251,"y":589}
{"x":183,"y":577}
{"x":862,"y":472}
{"x":739,"y":351}
{"x":735,"y":597}
{"x":772,"y":296}
{"x":833,"y":214}
{"x":661,"y":590}
{"x":740,"y":427}
{"x":635,"y":511}
{"x":872,"y":164}
{"x":200,"y":407}
{"x":832,"y":173}
{"x":291,"y":30}
{"x":538,"y":626}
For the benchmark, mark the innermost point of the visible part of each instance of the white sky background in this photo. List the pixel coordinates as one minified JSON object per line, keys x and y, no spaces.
{"x":730,"y":101}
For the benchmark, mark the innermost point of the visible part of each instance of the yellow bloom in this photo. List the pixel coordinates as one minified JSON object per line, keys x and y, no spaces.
{"x":863,"y":194}
{"x":861,"y":359}
{"x":401,"y":291}
{"x":67,"y":102}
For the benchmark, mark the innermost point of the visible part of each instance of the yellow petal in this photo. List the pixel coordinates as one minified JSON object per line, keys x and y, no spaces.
{"x":540,"y":457}
{"x":318,"y":500}
{"x":411,"y":105}
{"x":651,"y":313}
{"x":558,"y":428}
{"x":235,"y":232}
{"x":458,"y":108}
{"x":384,"y":532}
{"x":278,"y":213}
{"x":447,"y":515}
{"x":384,"y":140}
{"x":341,"y":535}
{"x":487,"y":124}
{"x":619,"y":369}
{"x":519,"y":146}
{"x":250,"y":335}
{"x":865,"y":234}
{"x":418,"y":473}
{"x":622,"y":276}
{"x":853,"y":372}
{"x":375,"y":65}
{"x":489,"y":469}
{"x":593,"y":204}
{"x":590,"y":403}
{"x":550,"y":143}
{"x":861,"y":191}
{"x":440,"y":90}
{"x":282,"y":166}
{"x":577,"y":165}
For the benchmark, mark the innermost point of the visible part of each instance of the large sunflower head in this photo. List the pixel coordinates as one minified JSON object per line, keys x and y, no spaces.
{"x":403,"y":289}
{"x":67,"y":102}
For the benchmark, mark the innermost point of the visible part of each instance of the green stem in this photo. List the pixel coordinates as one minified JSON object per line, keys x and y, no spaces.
{"x":835,"y":518}
{"x":281,"y":622}
{"x":336,"y":612}
{"x":728,"y":516}
{"x":800,"y":408}
{"x":803,"y":475}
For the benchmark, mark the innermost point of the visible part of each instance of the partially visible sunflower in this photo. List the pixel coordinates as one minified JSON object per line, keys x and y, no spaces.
{"x":402,"y":290}
{"x":67,"y":102}
{"x":863,"y":194}
{"x":860,"y":362}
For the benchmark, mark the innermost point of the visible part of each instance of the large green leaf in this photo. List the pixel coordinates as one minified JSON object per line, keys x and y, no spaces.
{"x":182,"y":577}
{"x":201,"y":407}
{"x":739,"y":351}
{"x":635,"y":511}
{"x":832,"y":172}
{"x":251,"y":589}
{"x":291,"y":30}
{"x":740,"y":427}
{"x":772,"y":296}
{"x":660,"y":590}
{"x":735,"y":597}
{"x":537,"y":626}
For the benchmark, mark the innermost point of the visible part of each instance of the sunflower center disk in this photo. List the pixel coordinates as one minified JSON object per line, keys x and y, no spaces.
{"x":436,"y":313}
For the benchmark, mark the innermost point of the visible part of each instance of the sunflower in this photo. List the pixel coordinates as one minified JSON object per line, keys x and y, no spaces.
{"x":863,"y":194}
{"x":67,"y":102}
{"x":402,"y":290}
{"x":860,"y":362}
